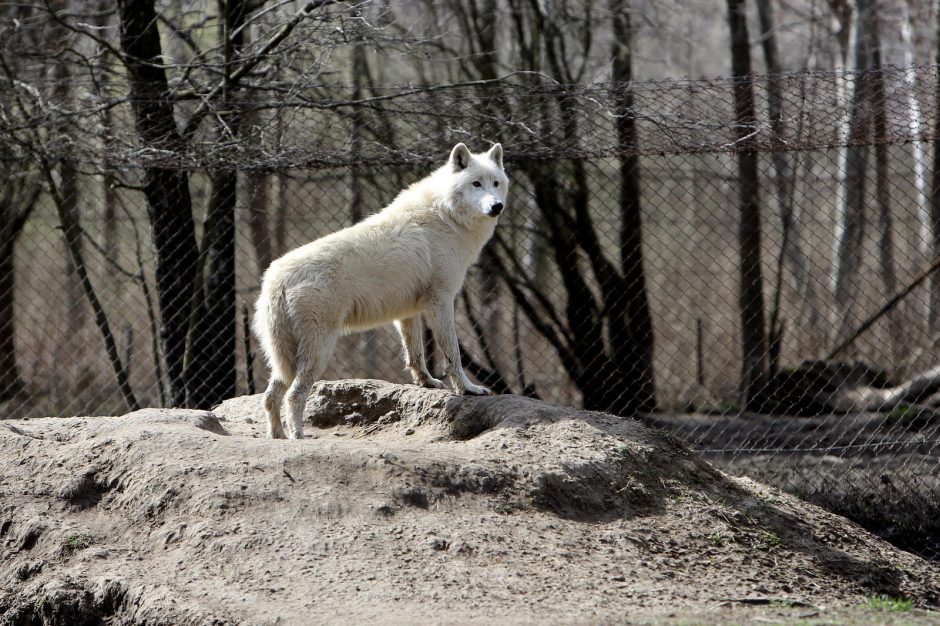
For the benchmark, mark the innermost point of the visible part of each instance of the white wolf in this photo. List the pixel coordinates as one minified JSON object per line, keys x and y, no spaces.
{"x":407,"y":261}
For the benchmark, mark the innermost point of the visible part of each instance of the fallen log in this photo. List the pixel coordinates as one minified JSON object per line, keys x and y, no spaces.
{"x":820,"y":387}
{"x":910,"y":392}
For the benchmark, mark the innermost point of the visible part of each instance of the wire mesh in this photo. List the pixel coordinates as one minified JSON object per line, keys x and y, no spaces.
{"x":848,"y":225}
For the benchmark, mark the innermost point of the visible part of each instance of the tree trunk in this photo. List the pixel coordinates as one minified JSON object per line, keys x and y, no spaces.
{"x":600,"y":364}
{"x":68,"y":357}
{"x":104,"y":20}
{"x":109,"y":215}
{"x":489,"y":285}
{"x":64,"y":197}
{"x":915,"y":124}
{"x":482,"y":31}
{"x":210,"y":373}
{"x":259,"y":184}
{"x":784,"y":180}
{"x":844,"y":15}
{"x":212,"y":377}
{"x":883,"y":192}
{"x":166,"y":185}
{"x":261,"y":190}
{"x":367,"y":341}
{"x":935,"y":206}
{"x":631,"y":335}
{"x":592,"y":333}
{"x":282,"y":204}
{"x":18,"y":197}
{"x":751,"y":291}
{"x":10,"y":381}
{"x":856,"y":170}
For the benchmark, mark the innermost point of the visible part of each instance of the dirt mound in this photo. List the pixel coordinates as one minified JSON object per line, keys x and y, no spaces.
{"x":406,"y":505}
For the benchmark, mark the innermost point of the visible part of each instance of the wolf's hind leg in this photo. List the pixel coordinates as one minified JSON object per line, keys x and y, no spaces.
{"x":312,"y":361}
{"x":273,"y":399}
{"x":412,"y":338}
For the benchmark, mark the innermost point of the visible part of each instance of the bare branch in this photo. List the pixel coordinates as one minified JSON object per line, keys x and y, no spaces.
{"x":249,"y":64}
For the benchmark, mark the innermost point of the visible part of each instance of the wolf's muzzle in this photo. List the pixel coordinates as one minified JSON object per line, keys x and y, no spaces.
{"x":496,"y":209}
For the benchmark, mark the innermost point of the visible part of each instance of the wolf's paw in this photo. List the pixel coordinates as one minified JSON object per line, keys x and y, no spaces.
{"x":476,"y":390}
{"x":277,"y":432}
{"x":431,"y":383}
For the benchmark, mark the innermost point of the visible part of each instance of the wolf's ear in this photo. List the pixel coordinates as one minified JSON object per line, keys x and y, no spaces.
{"x":496,"y":154}
{"x":460,"y":157}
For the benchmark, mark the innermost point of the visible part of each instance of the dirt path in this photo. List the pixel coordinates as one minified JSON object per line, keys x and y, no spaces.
{"x":410,"y":505}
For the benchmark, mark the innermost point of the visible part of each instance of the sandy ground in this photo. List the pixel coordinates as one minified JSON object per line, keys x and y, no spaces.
{"x":410,"y":505}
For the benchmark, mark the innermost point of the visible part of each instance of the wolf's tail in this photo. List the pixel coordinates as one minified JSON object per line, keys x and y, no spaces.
{"x":274,"y":331}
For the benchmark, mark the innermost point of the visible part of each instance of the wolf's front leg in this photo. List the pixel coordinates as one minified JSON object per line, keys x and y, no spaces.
{"x":412,"y":339}
{"x":441,"y":320}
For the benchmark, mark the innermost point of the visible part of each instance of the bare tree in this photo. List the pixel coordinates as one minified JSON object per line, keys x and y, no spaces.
{"x":935,"y":207}
{"x":109,"y":175}
{"x":210,"y":370}
{"x":601,"y":331}
{"x":856,"y":166}
{"x":791,"y":245}
{"x":68,"y":189}
{"x":631,"y":335}
{"x":886,"y":232}
{"x":19,"y":196}
{"x":279,"y":184}
{"x":52,"y":156}
{"x":361,"y":77}
{"x":483,"y":58}
{"x":166,"y":185}
{"x":915,"y":125}
{"x":262,"y":195}
{"x":195,"y":283}
{"x":843,"y":29}
{"x":754,"y":345}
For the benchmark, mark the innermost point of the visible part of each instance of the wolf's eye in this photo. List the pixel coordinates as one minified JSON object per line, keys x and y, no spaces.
{"x":496,"y":183}
{"x":477,"y":183}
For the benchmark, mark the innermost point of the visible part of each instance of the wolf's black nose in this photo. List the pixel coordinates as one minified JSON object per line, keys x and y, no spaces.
{"x":496,"y":209}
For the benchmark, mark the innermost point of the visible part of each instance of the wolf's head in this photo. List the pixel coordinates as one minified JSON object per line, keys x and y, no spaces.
{"x":478,"y":181}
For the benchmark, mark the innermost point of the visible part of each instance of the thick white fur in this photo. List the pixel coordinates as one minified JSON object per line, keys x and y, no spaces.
{"x":405,"y":262}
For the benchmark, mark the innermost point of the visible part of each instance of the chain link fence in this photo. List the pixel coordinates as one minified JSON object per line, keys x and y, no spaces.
{"x":614,"y":281}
